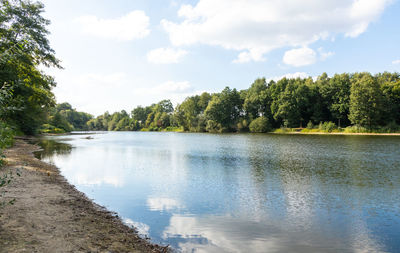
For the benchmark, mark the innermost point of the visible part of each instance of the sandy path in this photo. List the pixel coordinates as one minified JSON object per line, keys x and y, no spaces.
{"x":50,"y":215}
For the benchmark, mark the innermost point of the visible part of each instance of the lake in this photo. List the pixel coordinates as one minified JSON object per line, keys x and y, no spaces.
{"x":242,"y":192}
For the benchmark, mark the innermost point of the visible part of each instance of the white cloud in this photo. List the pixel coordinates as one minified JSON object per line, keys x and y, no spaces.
{"x":167,"y":88}
{"x":166,"y":55}
{"x":300,"y":57}
{"x":324,"y":55}
{"x":395,"y":62}
{"x":255,"y":27}
{"x":175,"y":91}
{"x":134,"y":25}
{"x":171,"y":87}
{"x":95,"y":92}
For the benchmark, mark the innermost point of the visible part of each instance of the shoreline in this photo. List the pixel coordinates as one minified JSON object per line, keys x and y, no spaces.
{"x":278,"y":133}
{"x":337,"y":133}
{"x":49,"y":214}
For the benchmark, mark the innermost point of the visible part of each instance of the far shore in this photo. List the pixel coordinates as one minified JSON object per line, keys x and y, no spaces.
{"x":337,"y":133}
{"x":272,"y":132}
{"x":50,"y":215}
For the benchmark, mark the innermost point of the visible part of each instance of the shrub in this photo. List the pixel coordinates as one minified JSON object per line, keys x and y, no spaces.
{"x":6,"y":140}
{"x":310,"y":125}
{"x":391,"y":127}
{"x":6,"y":136}
{"x":260,"y":125}
{"x":213,"y":127}
{"x":327,"y":126}
{"x":47,"y":129}
{"x":356,"y":129}
{"x":242,"y":126}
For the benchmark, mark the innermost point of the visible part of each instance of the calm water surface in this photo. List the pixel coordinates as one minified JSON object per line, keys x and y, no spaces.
{"x":242,"y":193}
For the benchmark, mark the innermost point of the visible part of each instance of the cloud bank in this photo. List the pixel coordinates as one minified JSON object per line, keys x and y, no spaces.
{"x":166,"y":55}
{"x":134,"y":25}
{"x":256,"y":27}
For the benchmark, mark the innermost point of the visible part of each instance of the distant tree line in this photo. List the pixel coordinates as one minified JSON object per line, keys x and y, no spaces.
{"x":360,"y":100}
{"x":63,"y":118}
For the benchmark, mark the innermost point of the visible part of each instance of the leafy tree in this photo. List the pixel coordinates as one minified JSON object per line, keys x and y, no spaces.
{"x":224,"y":108}
{"x":59,"y":121}
{"x":390,"y":85}
{"x":291,"y":104}
{"x":23,"y":47}
{"x":336,"y":94}
{"x":255,"y":99}
{"x":366,"y":101}
{"x":260,"y":125}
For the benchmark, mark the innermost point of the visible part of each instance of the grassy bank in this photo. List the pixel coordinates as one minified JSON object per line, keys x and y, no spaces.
{"x":336,"y":131}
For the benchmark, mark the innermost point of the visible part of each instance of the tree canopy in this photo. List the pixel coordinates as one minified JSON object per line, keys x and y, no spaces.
{"x":23,"y":48}
{"x":360,"y":99}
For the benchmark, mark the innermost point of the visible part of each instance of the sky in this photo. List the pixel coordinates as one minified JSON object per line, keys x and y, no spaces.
{"x":123,"y":53}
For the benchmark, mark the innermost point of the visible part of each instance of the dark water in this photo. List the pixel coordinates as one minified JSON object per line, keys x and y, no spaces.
{"x":243,"y":193}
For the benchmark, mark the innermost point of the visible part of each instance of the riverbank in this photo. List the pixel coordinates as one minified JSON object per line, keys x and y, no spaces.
{"x":50,"y":215}
{"x":334,"y":133}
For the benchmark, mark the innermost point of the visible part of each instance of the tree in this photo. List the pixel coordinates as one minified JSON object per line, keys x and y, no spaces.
{"x":260,"y":125}
{"x":224,"y":108}
{"x":390,"y":85}
{"x":255,"y":99}
{"x":336,"y":94}
{"x":366,"y":101}
{"x":290,"y":106}
{"x":23,"y":47}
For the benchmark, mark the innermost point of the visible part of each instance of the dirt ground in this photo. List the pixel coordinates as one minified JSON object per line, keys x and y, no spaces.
{"x":50,"y":215}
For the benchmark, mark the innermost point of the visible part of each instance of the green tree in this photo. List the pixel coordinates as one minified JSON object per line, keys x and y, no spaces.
{"x":23,"y":47}
{"x":336,"y":95}
{"x":366,"y":101}
{"x":255,"y":99}
{"x":260,"y":125}
{"x":225,"y":108}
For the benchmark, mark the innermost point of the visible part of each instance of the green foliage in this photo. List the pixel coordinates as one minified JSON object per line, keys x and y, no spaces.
{"x":224,"y":108}
{"x":23,"y":47}
{"x":243,"y":126}
{"x":327,"y":126}
{"x":213,"y":126}
{"x":47,"y":128}
{"x":6,"y":136}
{"x":356,"y":129}
{"x":260,"y":125}
{"x":63,"y":118}
{"x":368,"y":101}
{"x":392,"y":127}
{"x":6,"y":177}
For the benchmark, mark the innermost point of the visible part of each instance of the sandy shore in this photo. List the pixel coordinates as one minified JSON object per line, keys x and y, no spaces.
{"x":50,"y":215}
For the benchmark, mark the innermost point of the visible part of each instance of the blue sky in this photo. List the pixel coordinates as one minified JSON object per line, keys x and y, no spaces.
{"x":119,"y":54}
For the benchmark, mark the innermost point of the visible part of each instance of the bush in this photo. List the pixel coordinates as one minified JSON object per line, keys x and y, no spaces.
{"x":391,"y":127}
{"x":356,"y":129}
{"x":260,"y":125}
{"x":327,"y":126}
{"x":50,"y":129}
{"x":6,"y":140}
{"x":213,"y":127}
{"x":6,"y":136}
{"x":242,"y":126}
{"x":310,"y":125}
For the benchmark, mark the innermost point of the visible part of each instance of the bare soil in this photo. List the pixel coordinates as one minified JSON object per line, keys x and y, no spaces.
{"x":50,"y":215}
